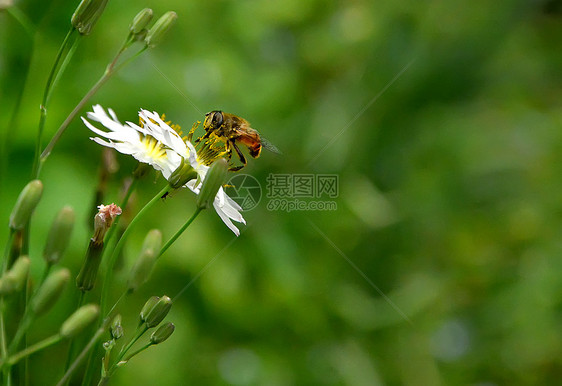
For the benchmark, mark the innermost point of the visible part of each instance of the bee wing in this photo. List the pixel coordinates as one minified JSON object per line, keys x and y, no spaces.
{"x":269,"y":146}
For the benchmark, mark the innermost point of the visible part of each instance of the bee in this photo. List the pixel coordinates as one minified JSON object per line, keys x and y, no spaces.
{"x":235,"y":131}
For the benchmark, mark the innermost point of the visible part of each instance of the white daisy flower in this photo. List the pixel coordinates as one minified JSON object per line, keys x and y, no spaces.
{"x":157,"y":144}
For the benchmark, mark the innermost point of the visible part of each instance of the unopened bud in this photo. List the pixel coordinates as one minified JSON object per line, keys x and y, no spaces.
{"x":116,"y":329}
{"x":87,"y":14}
{"x":86,"y":278}
{"x":14,"y":280}
{"x":141,"y":21}
{"x":158,"y":312}
{"x":182,"y":175}
{"x":148,"y":306}
{"x":145,"y":262}
{"x":59,"y":235}
{"x":160,"y":28}
{"x":80,"y":319}
{"x":214,"y":179}
{"x":162,"y":333}
{"x":50,"y":291}
{"x":26,"y":204}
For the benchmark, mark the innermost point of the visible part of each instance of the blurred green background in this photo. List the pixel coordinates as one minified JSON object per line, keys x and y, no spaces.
{"x":442,"y":263}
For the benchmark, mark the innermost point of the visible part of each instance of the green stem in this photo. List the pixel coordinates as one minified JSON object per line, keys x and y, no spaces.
{"x":45,"y":101}
{"x":71,"y":117}
{"x":45,"y":274}
{"x":7,"y":375}
{"x":119,"y":247}
{"x":12,"y":360}
{"x":4,"y":350}
{"x":132,"y":355}
{"x":71,"y":344}
{"x":179,"y":232}
{"x":125,"y":293}
{"x":111,"y":69}
{"x":109,"y":244}
{"x":3,"y":342}
{"x":7,"y":251}
{"x":140,"y":331}
{"x":82,"y":355}
{"x":22,"y":329}
{"x":63,"y":66}
{"x":28,"y":316}
{"x":23,"y":20}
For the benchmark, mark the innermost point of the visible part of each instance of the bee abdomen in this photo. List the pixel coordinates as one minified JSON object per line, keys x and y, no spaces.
{"x":255,"y":150}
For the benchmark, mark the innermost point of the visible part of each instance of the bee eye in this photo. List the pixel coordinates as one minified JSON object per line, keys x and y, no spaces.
{"x":218,"y":118}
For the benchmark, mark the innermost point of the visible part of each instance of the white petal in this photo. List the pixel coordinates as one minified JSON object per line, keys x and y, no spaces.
{"x":227,"y":221}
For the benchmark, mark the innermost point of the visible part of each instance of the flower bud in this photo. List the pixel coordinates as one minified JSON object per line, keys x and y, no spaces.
{"x":148,"y":306}
{"x":59,"y":235}
{"x":86,"y":278}
{"x":25,"y":205}
{"x":158,"y":312}
{"x":49,"y":292}
{"x":214,"y":179}
{"x":141,"y":21}
{"x":14,"y":280}
{"x":79,"y":320}
{"x":103,"y":220}
{"x":182,"y":175}
{"x":116,"y":329}
{"x":162,"y":333}
{"x":145,"y":262}
{"x":159,"y":29}
{"x":87,"y":14}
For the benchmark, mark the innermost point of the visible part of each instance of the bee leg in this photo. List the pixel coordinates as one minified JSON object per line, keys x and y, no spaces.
{"x":240,"y":156}
{"x":205,"y":136}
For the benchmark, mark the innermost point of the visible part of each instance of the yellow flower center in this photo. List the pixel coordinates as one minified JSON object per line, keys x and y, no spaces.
{"x":153,"y":148}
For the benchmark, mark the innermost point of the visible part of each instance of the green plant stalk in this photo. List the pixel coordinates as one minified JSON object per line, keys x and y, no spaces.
{"x":109,"y":246}
{"x":179,"y":232}
{"x":140,"y":331}
{"x":12,"y":360}
{"x":111,"y":69}
{"x":105,"y":377}
{"x":119,"y":247}
{"x":107,"y":374}
{"x":3,"y":343}
{"x":124,"y":294}
{"x":51,"y":81}
{"x":66,"y":377}
{"x":5,"y":370}
{"x":7,"y":251}
{"x":71,"y":343}
{"x":20,"y":332}
{"x":23,"y":20}
{"x":133,"y":354}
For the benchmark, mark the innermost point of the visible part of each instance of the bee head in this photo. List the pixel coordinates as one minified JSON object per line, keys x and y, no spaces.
{"x":214,"y":119}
